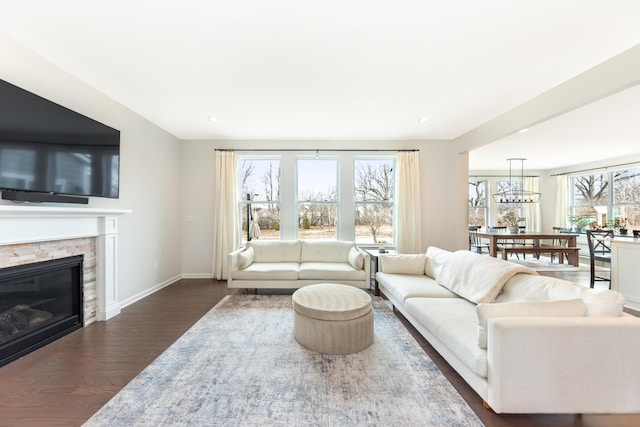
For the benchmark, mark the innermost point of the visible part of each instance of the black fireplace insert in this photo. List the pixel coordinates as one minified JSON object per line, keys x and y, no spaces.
{"x":39,"y":303}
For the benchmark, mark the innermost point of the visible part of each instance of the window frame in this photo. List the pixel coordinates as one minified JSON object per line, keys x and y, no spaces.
{"x":609,"y":212}
{"x":390,"y":203}
{"x":243,"y":201}
{"x":289,"y":204}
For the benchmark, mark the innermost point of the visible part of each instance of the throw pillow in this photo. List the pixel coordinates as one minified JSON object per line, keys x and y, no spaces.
{"x":434,"y":260}
{"x":603,"y":302}
{"x":245,"y":258}
{"x":356,"y":259}
{"x":403,"y":264}
{"x":559,"y":308}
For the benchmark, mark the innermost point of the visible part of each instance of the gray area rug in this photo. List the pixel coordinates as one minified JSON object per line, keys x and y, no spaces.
{"x":240,"y":366}
{"x":545,"y":264}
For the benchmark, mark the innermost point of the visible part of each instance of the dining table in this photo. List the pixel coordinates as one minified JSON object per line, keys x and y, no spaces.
{"x":535,"y":237}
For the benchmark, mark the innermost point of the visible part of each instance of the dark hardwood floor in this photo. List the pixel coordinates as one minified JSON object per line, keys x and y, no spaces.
{"x":67,"y":381}
{"x":64,"y":383}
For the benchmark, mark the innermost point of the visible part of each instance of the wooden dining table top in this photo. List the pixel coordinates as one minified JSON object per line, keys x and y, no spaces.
{"x":525,"y":235}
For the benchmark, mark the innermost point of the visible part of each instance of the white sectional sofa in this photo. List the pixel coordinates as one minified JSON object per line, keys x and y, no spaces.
{"x":291,"y":264}
{"x":525,"y":343}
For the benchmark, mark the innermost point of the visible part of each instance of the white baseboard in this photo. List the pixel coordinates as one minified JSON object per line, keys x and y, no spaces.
{"x":197,"y":276}
{"x":149,"y":291}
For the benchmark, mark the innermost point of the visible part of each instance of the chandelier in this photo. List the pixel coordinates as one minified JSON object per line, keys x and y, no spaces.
{"x":513,"y":192}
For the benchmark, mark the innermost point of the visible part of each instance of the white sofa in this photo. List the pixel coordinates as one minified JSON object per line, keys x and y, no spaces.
{"x":291,"y":264}
{"x":525,"y":343}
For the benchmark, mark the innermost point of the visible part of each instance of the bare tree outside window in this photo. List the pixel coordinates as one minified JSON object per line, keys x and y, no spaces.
{"x":317,"y":199}
{"x":260,"y":199}
{"x":608,"y":198}
{"x":626,"y":198}
{"x":591,"y":197}
{"x":374,"y":201}
{"x":477,"y":203}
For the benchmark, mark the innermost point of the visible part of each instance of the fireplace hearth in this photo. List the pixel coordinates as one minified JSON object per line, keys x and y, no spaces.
{"x":39,"y":303}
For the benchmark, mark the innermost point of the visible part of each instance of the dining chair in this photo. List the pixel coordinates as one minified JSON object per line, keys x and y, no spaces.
{"x":475,"y":242}
{"x":513,"y":243}
{"x":599,"y":250}
{"x":560,"y":242}
{"x":636,"y":233}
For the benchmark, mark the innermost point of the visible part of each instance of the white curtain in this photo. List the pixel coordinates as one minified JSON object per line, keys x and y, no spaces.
{"x":408,"y":202}
{"x":225,"y":224}
{"x":532,"y":210}
{"x":562,"y":201}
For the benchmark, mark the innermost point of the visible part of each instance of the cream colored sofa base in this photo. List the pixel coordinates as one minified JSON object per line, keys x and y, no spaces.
{"x":533,"y":364}
{"x":477,"y":383}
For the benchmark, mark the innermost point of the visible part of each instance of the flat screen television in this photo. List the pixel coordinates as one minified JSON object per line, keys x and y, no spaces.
{"x":49,"y":152}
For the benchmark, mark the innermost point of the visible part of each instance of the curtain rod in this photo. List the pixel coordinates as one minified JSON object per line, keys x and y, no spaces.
{"x":595,"y":169}
{"x":314,"y":150}
{"x":503,"y":176}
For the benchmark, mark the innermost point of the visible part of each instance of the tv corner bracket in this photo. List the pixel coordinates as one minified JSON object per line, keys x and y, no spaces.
{"x":27,"y":196}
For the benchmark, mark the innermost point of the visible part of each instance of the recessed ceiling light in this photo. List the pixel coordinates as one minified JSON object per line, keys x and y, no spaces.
{"x":423,"y":119}
{"x":213,"y":119}
{"x":523,"y":130}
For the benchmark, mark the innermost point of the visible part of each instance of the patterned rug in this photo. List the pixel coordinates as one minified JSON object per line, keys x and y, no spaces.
{"x":545,"y":264}
{"x":240,"y":366}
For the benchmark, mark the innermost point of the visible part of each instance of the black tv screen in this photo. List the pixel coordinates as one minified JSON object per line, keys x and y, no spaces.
{"x":47,"y":148}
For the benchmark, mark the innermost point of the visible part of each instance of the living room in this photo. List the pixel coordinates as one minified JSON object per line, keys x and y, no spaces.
{"x":167,"y":181}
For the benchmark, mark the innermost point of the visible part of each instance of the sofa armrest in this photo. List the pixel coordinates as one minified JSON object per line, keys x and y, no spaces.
{"x":232,"y":263}
{"x":564,"y":365}
{"x":366,"y":258}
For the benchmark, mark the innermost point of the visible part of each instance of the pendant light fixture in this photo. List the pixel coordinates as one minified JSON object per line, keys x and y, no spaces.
{"x":513,"y":192}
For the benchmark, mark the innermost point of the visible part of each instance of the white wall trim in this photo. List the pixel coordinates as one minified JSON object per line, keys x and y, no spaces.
{"x":149,"y":291}
{"x":30,"y":224}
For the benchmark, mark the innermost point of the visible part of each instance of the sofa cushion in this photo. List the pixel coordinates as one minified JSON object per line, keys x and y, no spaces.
{"x":268,"y":271}
{"x":245,"y":258}
{"x":329,"y":271}
{"x":600,"y":302}
{"x":325,"y":250}
{"x":403,"y":286}
{"x":558,"y":308}
{"x":355,"y":258}
{"x":275,"y":250}
{"x":434,"y":260}
{"x":453,"y":322}
{"x":403,"y":263}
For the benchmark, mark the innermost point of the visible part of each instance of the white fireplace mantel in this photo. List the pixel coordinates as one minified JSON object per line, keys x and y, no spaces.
{"x":27,"y":224}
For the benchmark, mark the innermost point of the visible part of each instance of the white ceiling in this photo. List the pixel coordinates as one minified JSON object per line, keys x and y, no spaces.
{"x":343,"y":70}
{"x":608,"y":128}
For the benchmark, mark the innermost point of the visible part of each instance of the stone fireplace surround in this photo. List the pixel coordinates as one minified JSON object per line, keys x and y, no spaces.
{"x":31,"y":234}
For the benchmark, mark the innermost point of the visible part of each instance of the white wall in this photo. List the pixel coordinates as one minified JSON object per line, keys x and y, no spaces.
{"x":149,"y":171}
{"x":197,"y":188}
{"x":441,"y":176}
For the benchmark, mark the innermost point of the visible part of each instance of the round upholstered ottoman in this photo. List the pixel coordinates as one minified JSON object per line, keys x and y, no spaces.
{"x":333,"y":319}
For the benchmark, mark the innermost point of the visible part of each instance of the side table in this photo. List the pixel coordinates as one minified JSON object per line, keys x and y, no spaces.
{"x":374,"y":254}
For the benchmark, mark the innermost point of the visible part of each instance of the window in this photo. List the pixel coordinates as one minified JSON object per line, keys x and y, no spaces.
{"x":317,"y":198}
{"x":259,"y":198}
{"x":478,"y":203}
{"x":626,"y":198}
{"x":373,"y":183}
{"x":504,"y":208}
{"x":593,"y":199}
{"x":291,"y":195}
